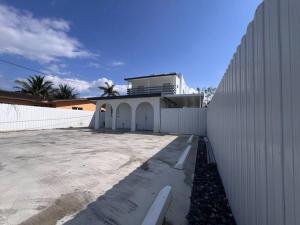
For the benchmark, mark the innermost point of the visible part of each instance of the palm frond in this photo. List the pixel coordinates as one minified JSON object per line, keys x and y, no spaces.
{"x":102,"y":88}
{"x":109,"y":90}
{"x":35,"y":86}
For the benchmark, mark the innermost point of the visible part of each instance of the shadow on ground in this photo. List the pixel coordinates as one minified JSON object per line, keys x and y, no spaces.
{"x":127,"y":202}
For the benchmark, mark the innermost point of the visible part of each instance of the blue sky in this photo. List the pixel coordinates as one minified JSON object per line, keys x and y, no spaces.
{"x":85,"y":43}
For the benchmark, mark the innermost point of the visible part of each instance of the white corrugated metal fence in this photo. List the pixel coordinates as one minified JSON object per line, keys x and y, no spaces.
{"x":20,"y":117}
{"x":183,"y":120}
{"x":253,"y":120}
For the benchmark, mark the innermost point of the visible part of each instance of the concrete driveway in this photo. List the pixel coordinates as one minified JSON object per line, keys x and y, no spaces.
{"x":84,"y":177}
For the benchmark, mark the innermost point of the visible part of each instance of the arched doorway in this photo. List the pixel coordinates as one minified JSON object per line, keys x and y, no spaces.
{"x":105,"y":119}
{"x":144,"y":117}
{"x":123,"y":116}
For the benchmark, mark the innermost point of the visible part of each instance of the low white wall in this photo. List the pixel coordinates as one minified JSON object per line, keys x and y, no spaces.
{"x":183,"y":121}
{"x":19,"y":117}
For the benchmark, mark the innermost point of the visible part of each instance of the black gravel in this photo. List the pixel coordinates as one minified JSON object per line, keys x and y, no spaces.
{"x":209,"y":205}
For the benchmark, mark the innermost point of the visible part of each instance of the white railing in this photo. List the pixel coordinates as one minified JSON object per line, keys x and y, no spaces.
{"x":19,"y":117}
{"x":253,"y":120}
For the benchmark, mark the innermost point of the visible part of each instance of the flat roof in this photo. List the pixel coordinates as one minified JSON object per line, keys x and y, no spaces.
{"x":18,"y":95}
{"x":183,"y":95}
{"x":153,"y":75}
{"x":69,"y":100}
{"x":126,"y":96}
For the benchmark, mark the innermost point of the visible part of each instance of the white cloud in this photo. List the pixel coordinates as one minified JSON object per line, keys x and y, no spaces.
{"x":40,"y":39}
{"x":56,"y":69}
{"x":121,"y":88}
{"x":117,"y":63}
{"x":79,"y":85}
{"x":86,"y":88}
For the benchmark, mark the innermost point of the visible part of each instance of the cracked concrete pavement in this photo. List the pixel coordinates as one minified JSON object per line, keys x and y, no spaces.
{"x":78,"y":176}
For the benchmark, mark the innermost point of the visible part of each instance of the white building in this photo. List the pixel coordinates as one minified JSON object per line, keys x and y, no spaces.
{"x":145,"y":104}
{"x":170,"y":83}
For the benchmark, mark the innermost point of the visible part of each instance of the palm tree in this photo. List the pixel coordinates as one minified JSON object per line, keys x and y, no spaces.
{"x":36,"y":86}
{"x":208,"y":94}
{"x":109,"y":90}
{"x":64,"y":91}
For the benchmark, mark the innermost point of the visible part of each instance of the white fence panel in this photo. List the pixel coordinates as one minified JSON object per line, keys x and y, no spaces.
{"x":169,"y":120}
{"x":188,"y":121}
{"x":19,"y":117}
{"x":253,"y":121}
{"x":183,"y":121}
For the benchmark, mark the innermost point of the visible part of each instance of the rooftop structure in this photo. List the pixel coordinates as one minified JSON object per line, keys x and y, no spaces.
{"x":166,"y":83}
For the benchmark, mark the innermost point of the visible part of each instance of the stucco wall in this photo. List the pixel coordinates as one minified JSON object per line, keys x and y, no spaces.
{"x":84,"y":106}
{"x":134,"y":103}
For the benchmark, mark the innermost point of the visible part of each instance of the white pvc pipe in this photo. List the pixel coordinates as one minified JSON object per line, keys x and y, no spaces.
{"x":158,"y":209}
{"x":181,"y":161}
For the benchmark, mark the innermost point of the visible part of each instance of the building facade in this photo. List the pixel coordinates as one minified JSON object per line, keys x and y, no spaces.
{"x":169,"y":83}
{"x":141,"y":108}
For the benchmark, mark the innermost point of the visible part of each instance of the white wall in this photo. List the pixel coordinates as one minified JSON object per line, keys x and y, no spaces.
{"x":134,"y":103}
{"x":183,"y":121}
{"x":19,"y":117}
{"x":254,"y":123}
{"x":184,"y":88}
{"x":176,"y":80}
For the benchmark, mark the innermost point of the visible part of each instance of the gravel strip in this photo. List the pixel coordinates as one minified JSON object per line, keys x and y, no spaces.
{"x":209,"y":205}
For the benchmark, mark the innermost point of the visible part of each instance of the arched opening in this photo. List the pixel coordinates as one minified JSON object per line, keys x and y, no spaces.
{"x":144,"y":117}
{"x":123,"y":116}
{"x":105,"y":119}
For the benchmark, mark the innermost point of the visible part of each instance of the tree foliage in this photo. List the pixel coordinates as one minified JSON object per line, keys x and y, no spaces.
{"x":64,"y":91}
{"x":41,"y":88}
{"x":36,"y":86}
{"x":208,"y":93}
{"x":109,"y":90}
